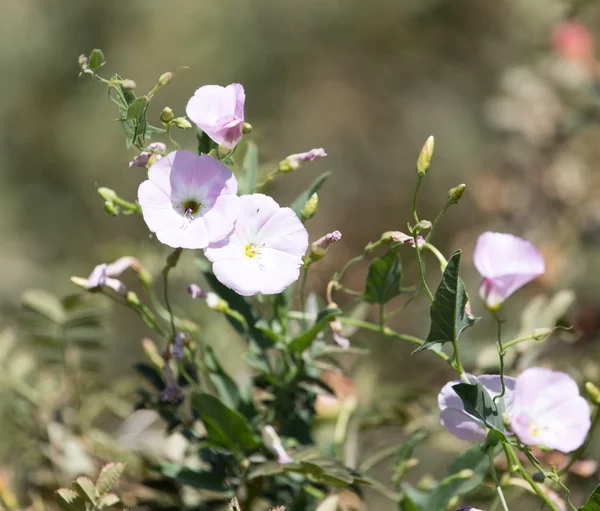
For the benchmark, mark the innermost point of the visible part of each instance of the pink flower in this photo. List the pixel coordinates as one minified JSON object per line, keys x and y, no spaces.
{"x":293,"y":161}
{"x":573,"y":41}
{"x":452,"y":412}
{"x":548,"y":410}
{"x":219,"y":112}
{"x":189,"y":201}
{"x":141,"y":160}
{"x":264,"y":252}
{"x":506,"y":263}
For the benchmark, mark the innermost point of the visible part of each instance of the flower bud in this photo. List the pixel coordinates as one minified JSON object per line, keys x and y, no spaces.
{"x":128,"y":84}
{"x":83,"y":62}
{"x":182,"y":123}
{"x":310,"y":207}
{"x":425,"y":156}
{"x":166,"y":116}
{"x":294,"y":161}
{"x":318,"y":249}
{"x":133,"y":299}
{"x":538,"y":477}
{"x":593,"y":392}
{"x":246,"y":128}
{"x":166,"y":78}
{"x":466,"y":473}
{"x":454,"y":500}
{"x":107,"y":194}
{"x":196,"y":291}
{"x":173,"y":257}
{"x":423,"y":225}
{"x":454,"y":194}
{"x":273,"y":443}
{"x":111,"y":208}
{"x":216,"y":303}
{"x":539,"y":334}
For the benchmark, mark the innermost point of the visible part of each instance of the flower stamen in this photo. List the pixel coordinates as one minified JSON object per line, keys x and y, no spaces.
{"x":252,"y":250}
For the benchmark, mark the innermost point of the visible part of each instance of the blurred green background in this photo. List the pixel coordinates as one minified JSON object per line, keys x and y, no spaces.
{"x":369,"y":82}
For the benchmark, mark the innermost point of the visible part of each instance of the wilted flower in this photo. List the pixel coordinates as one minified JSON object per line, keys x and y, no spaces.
{"x":293,"y":161}
{"x":548,"y":410}
{"x":337,"y":331}
{"x":219,"y":112}
{"x":178,"y":346}
{"x":141,"y":160}
{"x":189,"y":201}
{"x":196,"y":291}
{"x":103,"y":274}
{"x":172,"y":391}
{"x":318,"y":249}
{"x":452,"y":411}
{"x":264,"y":252}
{"x":400,"y":237}
{"x":506,"y":263}
{"x":212,"y":299}
{"x":273,"y":443}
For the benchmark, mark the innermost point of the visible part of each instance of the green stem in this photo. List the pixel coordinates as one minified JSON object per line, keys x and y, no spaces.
{"x":518,"y":340}
{"x":399,"y":309}
{"x":415,"y":195}
{"x":501,"y":353}
{"x":302,"y":290}
{"x":525,"y":475}
{"x":578,"y":452}
{"x":438,"y":254}
{"x":496,"y":482}
{"x":126,"y":204}
{"x":172,"y":261}
{"x":437,"y":219}
{"x":382,"y":317}
{"x":458,"y":364}
{"x":168,"y":128}
{"x":390,"y":333}
{"x":422,"y":268}
{"x":270,"y":176}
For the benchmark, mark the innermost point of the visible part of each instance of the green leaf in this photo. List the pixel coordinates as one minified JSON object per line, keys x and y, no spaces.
{"x":45,"y":304}
{"x":480,"y":404}
{"x":474,"y":460}
{"x":304,"y":340}
{"x":96,"y":60}
{"x":205,"y":143}
{"x":593,"y":503}
{"x":250,"y":166}
{"x":448,"y":315}
{"x":69,"y":500}
{"x":226,"y":387}
{"x":199,"y":479}
{"x":225,"y":427}
{"x":107,"y":500}
{"x":86,"y":488}
{"x":384,"y":277}
{"x":136,"y":109}
{"x":109,"y":477}
{"x":298,"y":204}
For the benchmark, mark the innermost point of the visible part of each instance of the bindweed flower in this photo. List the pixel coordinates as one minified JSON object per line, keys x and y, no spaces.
{"x":318,"y":249}
{"x":264,"y":252}
{"x":172,"y":391}
{"x":141,"y":160}
{"x":548,"y":410}
{"x":273,"y":443}
{"x":452,"y":411}
{"x":294,"y":161}
{"x":189,"y":201}
{"x":219,"y":112}
{"x":103,"y":274}
{"x":506,"y":263}
{"x":178,"y":346}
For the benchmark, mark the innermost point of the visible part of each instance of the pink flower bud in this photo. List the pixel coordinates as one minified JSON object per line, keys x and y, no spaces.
{"x":293,"y":161}
{"x":318,"y":249}
{"x":141,"y":160}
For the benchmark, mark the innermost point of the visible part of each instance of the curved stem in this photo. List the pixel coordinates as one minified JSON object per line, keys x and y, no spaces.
{"x":496,"y":482}
{"x":437,"y":219}
{"x":458,"y":364}
{"x":501,"y":353}
{"x":438,"y":254}
{"x":422,"y":268}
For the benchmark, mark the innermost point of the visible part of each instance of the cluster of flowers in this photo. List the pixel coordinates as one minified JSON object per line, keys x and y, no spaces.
{"x":542,"y":407}
{"x":191,"y":201}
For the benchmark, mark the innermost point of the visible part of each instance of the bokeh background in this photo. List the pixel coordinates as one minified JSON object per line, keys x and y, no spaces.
{"x":514,"y":113}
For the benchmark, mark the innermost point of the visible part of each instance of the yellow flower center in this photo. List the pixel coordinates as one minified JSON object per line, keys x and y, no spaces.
{"x":534,"y":430}
{"x":252,"y":250}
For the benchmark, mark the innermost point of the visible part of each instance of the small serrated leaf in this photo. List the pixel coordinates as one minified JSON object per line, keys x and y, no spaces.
{"x":109,"y":476}
{"x":86,"y":488}
{"x":69,"y":500}
{"x":109,"y":499}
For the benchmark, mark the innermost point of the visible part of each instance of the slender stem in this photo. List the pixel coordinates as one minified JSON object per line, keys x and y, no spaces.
{"x":391,"y":333}
{"x":422,"y":268}
{"x":340,"y":275}
{"x":378,"y":457}
{"x":168,"y":128}
{"x":438,"y":254}
{"x":578,"y":452}
{"x":496,"y":482}
{"x":501,"y":353}
{"x":399,"y":309}
{"x":458,"y":364}
{"x":270,"y":176}
{"x":518,"y":340}
{"x":525,"y":475}
{"x":382,"y":316}
{"x":302,"y":291}
{"x":415,"y":195}
{"x":437,"y":219}
{"x":172,"y":261}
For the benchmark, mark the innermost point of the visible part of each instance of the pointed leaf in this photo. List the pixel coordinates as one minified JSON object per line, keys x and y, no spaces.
{"x":384,"y":277}
{"x":300,"y":201}
{"x":226,"y":387}
{"x":107,"y":500}
{"x":250,"y":165}
{"x":137,"y":109}
{"x":480,"y":404}
{"x":86,"y":488}
{"x":69,"y":500}
{"x":109,"y":477}
{"x":448,"y":315}
{"x":593,"y":503}
{"x":304,"y":340}
{"x":205,"y":143}
{"x":225,"y":427}
{"x":96,"y":60}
